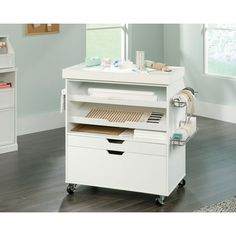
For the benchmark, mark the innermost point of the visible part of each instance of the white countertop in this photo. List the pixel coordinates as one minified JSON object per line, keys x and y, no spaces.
{"x":123,"y":76}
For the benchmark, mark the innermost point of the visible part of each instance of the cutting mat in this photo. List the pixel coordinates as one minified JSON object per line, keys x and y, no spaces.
{"x":98,"y":129}
{"x":124,"y":116}
{"x":118,"y":115}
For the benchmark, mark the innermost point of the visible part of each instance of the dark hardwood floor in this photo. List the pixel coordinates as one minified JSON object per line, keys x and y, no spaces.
{"x":32,"y":179}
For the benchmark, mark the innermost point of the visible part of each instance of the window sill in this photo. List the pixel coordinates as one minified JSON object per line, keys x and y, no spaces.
{"x":216,"y":76}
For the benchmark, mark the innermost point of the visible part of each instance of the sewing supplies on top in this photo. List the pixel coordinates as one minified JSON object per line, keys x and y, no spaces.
{"x":157,"y":66}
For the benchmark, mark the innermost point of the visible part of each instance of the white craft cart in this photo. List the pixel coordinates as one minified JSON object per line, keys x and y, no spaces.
{"x":125,"y":163}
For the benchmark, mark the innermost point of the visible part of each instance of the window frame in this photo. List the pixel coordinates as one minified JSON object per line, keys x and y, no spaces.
{"x":205,"y":52}
{"x":124,"y":37}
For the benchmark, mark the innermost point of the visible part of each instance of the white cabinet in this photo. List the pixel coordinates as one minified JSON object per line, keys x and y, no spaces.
{"x":129,"y":171}
{"x":7,"y":98}
{"x":7,"y":127}
{"x":123,"y":162}
{"x":8,"y":138}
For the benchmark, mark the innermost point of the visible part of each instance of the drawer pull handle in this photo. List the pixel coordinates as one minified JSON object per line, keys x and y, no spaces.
{"x":115,"y":141}
{"x":115,"y":152}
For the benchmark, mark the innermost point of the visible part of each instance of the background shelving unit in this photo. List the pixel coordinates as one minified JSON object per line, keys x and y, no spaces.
{"x":8,"y":111}
{"x":8,"y":97}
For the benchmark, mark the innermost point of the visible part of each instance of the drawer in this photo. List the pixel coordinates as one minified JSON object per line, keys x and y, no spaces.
{"x":117,"y":144}
{"x":7,"y":127}
{"x":127,"y":171}
{"x":7,"y":61}
{"x":6,"y":98}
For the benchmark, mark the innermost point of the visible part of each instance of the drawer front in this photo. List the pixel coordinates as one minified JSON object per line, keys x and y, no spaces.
{"x":7,"y":127}
{"x":129,"y":171}
{"x":119,"y":145}
{"x":6,"y":98}
{"x":7,"y":61}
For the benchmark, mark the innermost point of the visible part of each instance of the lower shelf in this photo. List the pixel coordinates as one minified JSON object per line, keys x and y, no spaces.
{"x":131,"y":125}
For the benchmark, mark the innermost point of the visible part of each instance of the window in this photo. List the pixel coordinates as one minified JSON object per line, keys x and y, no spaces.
{"x":220,"y":49}
{"x":106,"y":41}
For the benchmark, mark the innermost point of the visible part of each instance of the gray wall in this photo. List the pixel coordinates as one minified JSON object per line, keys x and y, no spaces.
{"x":189,"y":53}
{"x":171,"y":44}
{"x":40,"y":60}
{"x":148,"y":38}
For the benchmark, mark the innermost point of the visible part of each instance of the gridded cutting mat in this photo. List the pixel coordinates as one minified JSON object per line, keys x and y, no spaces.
{"x":118,"y":116}
{"x":123,"y":116}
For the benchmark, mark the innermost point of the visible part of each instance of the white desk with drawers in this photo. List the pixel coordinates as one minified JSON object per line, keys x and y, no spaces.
{"x":122,"y":161}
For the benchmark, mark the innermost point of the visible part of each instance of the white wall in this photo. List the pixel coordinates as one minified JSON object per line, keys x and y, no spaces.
{"x":184,"y":45}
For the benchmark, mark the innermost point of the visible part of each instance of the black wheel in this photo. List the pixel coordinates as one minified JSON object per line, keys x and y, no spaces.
{"x":182,"y":183}
{"x":71,"y":188}
{"x":160,"y":200}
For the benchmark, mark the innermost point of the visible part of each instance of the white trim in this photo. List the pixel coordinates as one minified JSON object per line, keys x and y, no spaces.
{"x":218,"y":76}
{"x":124,"y":42}
{"x":105,"y":27}
{"x":205,"y":50}
{"x":8,"y":148}
{"x":216,"y":111}
{"x":220,"y":28}
{"x":40,"y":122}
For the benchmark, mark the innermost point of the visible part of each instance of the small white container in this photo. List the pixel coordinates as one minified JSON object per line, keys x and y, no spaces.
{"x":7,"y":55}
{"x":140,"y":60}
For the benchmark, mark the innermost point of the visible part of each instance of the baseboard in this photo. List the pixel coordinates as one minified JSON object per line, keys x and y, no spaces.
{"x":216,"y":111}
{"x":8,"y":148}
{"x":40,"y":122}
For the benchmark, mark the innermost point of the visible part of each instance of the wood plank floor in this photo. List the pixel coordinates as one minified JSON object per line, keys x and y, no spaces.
{"x":32,"y":179}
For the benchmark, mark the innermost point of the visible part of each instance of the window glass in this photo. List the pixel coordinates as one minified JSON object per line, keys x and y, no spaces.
{"x":104,"y":43}
{"x":221,"y":50}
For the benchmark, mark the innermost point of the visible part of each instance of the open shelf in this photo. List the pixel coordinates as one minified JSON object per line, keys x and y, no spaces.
{"x":132,"y":125}
{"x":78,"y":115}
{"x":93,"y":99}
{"x":128,"y":135}
{"x":79,"y":92}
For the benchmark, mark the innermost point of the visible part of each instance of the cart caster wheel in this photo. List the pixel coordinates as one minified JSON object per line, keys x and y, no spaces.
{"x":182,"y":183}
{"x":160,"y":200}
{"x":71,"y":188}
